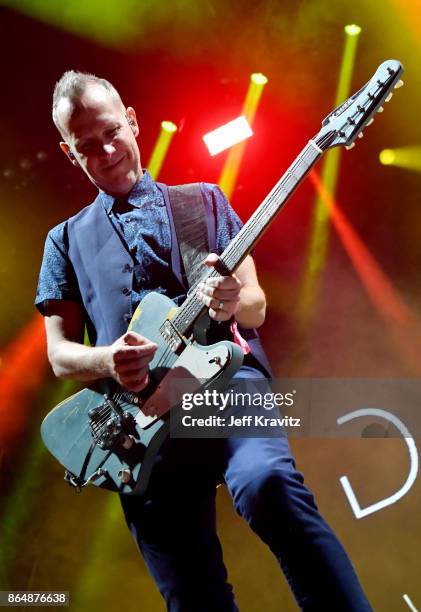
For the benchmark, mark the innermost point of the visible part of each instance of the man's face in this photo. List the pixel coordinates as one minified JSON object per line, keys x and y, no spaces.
{"x":97,"y":132}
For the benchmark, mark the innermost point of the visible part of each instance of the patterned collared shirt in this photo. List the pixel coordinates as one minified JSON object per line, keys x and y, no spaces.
{"x":141,"y":219}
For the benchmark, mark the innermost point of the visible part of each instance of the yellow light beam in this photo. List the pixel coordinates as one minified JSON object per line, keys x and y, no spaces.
{"x":408,"y":158}
{"x":19,"y":505}
{"x":109,"y":529}
{"x":232,"y":163}
{"x":106,"y":21}
{"x":160,"y":149}
{"x":319,"y":236}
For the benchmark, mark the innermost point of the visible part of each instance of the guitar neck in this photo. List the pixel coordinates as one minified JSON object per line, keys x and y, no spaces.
{"x":251,"y":232}
{"x":261,"y":219}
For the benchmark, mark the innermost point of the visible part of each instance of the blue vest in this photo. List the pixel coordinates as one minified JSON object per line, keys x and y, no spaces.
{"x":104,"y":270}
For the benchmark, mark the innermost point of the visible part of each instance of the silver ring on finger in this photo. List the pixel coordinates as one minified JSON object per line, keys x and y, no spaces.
{"x":221,"y":306}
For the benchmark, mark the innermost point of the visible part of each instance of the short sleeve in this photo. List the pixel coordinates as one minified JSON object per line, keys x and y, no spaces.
{"x":57,"y":279}
{"x":228,"y":223}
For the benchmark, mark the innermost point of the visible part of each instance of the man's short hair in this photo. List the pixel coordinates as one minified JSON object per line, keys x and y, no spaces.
{"x":72,"y":84}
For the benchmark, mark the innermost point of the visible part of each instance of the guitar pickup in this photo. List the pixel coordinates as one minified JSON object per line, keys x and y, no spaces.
{"x":171,"y":335}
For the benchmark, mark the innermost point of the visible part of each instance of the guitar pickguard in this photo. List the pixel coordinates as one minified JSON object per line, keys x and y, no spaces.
{"x":196,"y":366}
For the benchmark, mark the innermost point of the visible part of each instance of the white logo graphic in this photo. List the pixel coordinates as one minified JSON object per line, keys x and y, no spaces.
{"x":413,"y":457}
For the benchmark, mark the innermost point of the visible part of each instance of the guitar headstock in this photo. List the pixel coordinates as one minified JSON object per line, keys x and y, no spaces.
{"x":348,"y":120}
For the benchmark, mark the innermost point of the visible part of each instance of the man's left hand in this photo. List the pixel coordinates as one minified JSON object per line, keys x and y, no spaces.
{"x":221,"y":294}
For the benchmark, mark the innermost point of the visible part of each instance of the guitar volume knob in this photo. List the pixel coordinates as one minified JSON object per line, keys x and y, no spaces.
{"x":125,"y":475}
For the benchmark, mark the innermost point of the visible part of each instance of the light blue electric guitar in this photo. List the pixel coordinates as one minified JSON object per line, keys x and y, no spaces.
{"x":108,"y":436}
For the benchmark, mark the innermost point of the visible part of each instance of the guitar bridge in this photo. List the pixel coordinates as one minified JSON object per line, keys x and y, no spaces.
{"x":108,"y":423}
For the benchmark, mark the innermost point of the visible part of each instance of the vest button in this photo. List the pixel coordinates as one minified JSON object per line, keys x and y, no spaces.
{"x":126,"y":291}
{"x":126,"y":318}
{"x":127,"y":268}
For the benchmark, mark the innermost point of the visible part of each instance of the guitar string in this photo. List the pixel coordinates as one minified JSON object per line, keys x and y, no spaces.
{"x":106,"y":412}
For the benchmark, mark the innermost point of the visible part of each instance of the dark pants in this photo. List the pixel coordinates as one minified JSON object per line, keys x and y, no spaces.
{"x":174,"y":525}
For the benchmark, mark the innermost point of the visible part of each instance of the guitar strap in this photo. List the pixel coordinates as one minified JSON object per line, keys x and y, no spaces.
{"x":190,"y":220}
{"x":194,"y":230}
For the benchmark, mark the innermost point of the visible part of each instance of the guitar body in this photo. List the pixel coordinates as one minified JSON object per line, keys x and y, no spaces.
{"x":125,"y":465}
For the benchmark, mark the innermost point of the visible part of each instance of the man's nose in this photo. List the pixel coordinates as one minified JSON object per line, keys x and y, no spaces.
{"x":109,"y":148}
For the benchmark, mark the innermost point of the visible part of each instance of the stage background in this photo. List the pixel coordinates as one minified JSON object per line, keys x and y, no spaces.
{"x":190,"y":62}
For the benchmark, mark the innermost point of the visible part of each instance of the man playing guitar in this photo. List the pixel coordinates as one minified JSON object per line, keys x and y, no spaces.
{"x":173,"y":523}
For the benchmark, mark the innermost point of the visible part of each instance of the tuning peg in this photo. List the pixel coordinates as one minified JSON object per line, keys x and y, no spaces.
{"x":360,"y":135}
{"x":370,"y":121}
{"x":380,"y":109}
{"x":388,"y":97}
{"x":399,"y":84}
{"x":351,"y":146}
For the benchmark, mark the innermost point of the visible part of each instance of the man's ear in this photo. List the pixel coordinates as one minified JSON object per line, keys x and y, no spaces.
{"x":66,"y":150}
{"x":131,"y":120}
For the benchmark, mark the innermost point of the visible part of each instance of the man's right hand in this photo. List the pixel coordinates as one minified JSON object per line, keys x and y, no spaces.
{"x":126,"y":360}
{"x":129,"y":358}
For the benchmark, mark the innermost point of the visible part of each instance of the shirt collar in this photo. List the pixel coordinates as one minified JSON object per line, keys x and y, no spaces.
{"x":144,"y":188}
